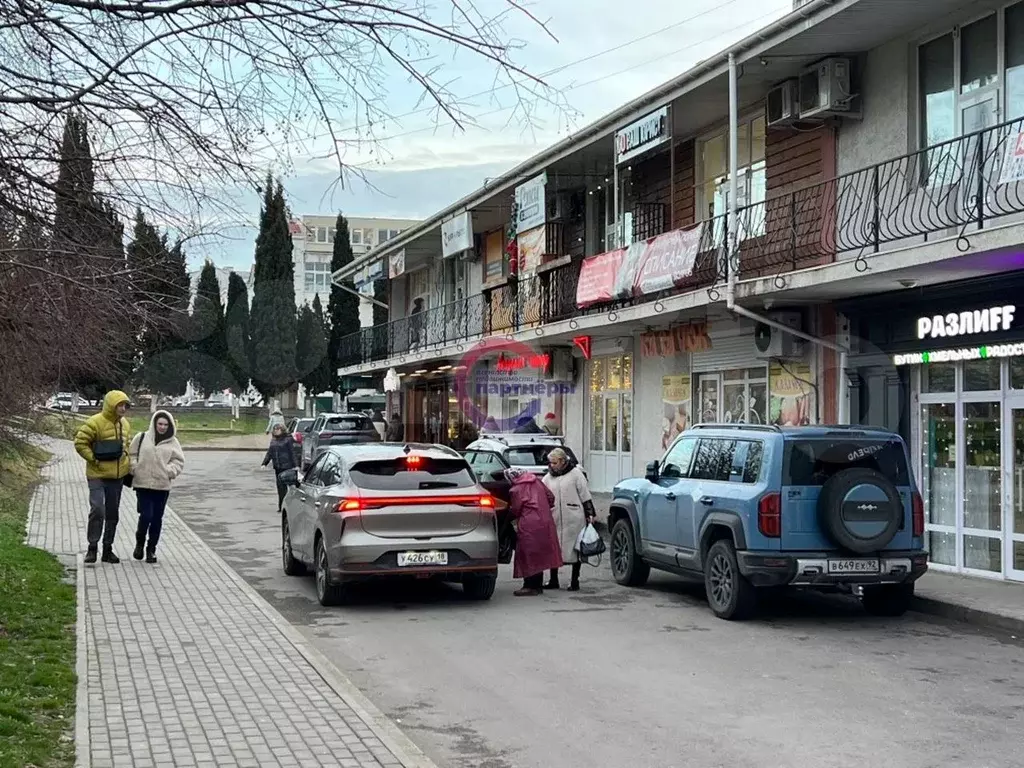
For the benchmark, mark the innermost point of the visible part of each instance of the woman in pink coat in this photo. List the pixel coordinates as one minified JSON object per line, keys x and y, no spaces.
{"x":537,"y":549}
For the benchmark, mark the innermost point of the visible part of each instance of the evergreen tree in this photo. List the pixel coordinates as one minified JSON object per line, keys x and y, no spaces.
{"x":379,"y":331}
{"x":236,"y":323}
{"x":272,"y":320}
{"x":304,"y":360}
{"x":209,"y":349}
{"x":343,"y":306}
{"x":321,"y":378}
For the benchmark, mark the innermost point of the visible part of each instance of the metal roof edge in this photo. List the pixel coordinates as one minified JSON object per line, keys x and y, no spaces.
{"x":766,"y":36}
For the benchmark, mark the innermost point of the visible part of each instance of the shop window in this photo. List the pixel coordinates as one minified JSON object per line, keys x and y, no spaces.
{"x":1017,"y":373}
{"x":942,"y":547}
{"x":983,"y":491}
{"x":983,"y":553}
{"x":627,"y":418}
{"x":596,"y":422}
{"x":938,"y":458}
{"x":940,"y":377}
{"x":981,"y":375}
{"x":737,"y":396}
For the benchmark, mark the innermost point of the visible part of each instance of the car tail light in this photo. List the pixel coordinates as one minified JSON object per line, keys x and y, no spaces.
{"x":769,"y":515}
{"x":917,"y":514}
{"x":297,"y":437}
{"x":487,"y":503}
{"x":413,"y":462}
{"x":346,"y":506}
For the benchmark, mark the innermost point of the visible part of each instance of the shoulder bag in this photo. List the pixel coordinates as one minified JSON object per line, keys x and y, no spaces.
{"x":110,"y":450}
{"x":130,"y":477}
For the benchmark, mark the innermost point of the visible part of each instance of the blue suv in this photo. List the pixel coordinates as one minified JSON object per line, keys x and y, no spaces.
{"x":745,"y":506}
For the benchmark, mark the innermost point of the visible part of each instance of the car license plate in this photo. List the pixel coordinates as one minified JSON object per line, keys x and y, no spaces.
{"x":422,"y":558}
{"x":853,"y":566}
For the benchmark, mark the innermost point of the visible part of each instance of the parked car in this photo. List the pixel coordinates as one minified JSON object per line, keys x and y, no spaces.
{"x":299,"y":428}
{"x":491,"y":455}
{"x":365,"y":512}
{"x":336,"y":429}
{"x":746,"y":507}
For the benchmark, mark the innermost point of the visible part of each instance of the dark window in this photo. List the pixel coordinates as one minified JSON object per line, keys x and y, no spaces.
{"x":752,"y":463}
{"x":396,"y":475}
{"x":314,"y":470}
{"x":713,"y":460}
{"x":677,"y":460}
{"x":302,"y":425}
{"x":330,"y":469}
{"x":812,"y":462}
{"x":533,"y":455}
{"x":347,"y":424}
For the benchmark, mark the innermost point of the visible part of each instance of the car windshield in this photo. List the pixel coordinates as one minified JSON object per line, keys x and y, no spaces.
{"x":532,"y":455}
{"x":398,"y":475}
{"x":349,"y":423}
{"x":813,"y":461}
{"x":303,"y":425}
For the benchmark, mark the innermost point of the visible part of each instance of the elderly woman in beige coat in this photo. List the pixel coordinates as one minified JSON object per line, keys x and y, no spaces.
{"x":157,"y":460}
{"x":573,"y":509}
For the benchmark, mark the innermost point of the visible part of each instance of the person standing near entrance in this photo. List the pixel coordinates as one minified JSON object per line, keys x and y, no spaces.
{"x":103,"y":442}
{"x":158,"y":460}
{"x":537,"y":547}
{"x":573,"y":508}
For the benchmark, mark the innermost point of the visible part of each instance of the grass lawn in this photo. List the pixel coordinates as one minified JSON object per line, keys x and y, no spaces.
{"x":37,"y":632}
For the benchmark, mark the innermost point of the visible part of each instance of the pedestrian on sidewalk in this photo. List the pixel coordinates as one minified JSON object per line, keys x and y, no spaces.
{"x":276,"y":418}
{"x":396,"y":429}
{"x":281,"y":454}
{"x":572,"y":509}
{"x":103,"y":442}
{"x":379,"y":424}
{"x":537,"y":547}
{"x":157,"y":462}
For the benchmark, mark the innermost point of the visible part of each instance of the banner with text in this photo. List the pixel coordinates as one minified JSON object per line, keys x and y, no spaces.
{"x":597,"y":278}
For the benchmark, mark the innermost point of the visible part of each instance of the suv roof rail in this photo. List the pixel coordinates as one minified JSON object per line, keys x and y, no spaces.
{"x":756,"y":427}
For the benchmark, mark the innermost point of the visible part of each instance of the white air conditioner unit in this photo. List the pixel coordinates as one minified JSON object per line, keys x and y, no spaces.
{"x":825,"y":90}
{"x":772,"y":342}
{"x":782,"y":107}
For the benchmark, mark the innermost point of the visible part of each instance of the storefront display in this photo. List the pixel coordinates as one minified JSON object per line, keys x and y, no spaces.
{"x":609,"y":450}
{"x":675,"y":399}
{"x":792,"y":394}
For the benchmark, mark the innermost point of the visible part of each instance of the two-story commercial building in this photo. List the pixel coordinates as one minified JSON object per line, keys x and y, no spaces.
{"x":861,"y":263}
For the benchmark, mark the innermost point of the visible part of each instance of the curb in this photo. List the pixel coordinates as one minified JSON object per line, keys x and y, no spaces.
{"x":383,"y":727}
{"x":974,"y":616}
{"x":83,"y":747}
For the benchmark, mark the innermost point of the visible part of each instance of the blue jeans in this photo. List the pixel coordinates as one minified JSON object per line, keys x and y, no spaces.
{"x":151,"y":516}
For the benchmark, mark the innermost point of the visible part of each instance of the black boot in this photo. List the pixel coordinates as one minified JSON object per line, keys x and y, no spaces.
{"x":553,"y":581}
{"x":574,"y":584}
{"x":90,"y":555}
{"x":109,"y":556}
{"x":140,"y":542}
{"x":151,"y":556}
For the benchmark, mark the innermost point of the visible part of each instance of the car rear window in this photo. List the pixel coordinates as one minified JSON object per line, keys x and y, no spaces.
{"x":394,"y":475}
{"x":532,"y":455}
{"x":303,"y":425}
{"x":350,"y":423}
{"x":812,"y":462}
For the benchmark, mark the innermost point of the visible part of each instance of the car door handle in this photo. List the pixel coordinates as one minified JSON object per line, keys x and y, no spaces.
{"x":706,"y":501}
{"x":670,"y":496}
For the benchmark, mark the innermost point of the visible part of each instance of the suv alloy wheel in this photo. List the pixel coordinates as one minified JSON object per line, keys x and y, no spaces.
{"x":326,"y":592}
{"x":730,"y":595}
{"x":292,"y":567}
{"x":628,"y":568}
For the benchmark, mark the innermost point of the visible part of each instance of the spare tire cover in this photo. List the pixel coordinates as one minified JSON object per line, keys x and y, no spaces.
{"x":860,"y":510}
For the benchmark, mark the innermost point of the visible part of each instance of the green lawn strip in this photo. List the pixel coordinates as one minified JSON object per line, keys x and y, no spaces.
{"x":37,"y":631}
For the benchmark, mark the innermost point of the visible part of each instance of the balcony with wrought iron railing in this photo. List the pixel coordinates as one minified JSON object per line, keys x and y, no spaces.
{"x":937,"y":192}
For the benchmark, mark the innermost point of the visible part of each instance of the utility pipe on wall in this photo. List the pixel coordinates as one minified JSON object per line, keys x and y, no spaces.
{"x":732,"y":260}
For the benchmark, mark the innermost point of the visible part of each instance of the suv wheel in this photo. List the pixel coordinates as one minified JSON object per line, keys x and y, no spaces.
{"x":888,"y":599}
{"x":730,"y":595}
{"x":292,"y":566}
{"x":628,"y":568}
{"x":327,"y":592}
{"x":477,"y":586}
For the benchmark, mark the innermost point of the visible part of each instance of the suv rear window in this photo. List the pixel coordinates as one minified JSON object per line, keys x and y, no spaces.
{"x":303,"y":425}
{"x":348,"y":423}
{"x":392,"y":475}
{"x":532,"y":455}
{"x":812,"y":462}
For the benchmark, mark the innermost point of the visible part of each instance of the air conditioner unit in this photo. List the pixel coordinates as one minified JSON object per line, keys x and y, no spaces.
{"x":770,"y":342}
{"x":825,"y":89}
{"x":558,"y":207}
{"x":782,"y":106}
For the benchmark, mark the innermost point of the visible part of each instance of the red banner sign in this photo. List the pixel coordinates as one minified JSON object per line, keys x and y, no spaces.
{"x":597,"y":278}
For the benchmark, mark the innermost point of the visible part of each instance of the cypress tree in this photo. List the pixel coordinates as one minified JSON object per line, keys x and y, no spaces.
{"x":209,"y":349}
{"x":272,"y":320}
{"x":379,"y":332}
{"x":343,"y":307}
{"x":321,"y":378}
{"x":236,"y":322}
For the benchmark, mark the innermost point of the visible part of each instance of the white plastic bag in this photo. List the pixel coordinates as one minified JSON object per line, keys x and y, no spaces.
{"x":590,"y":545}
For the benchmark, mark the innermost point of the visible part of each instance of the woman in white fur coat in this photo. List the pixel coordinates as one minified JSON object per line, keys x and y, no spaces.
{"x":157,"y":460}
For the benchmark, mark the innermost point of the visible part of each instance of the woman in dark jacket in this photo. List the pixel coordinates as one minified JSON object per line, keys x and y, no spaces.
{"x":396,"y":429}
{"x":281,"y":454}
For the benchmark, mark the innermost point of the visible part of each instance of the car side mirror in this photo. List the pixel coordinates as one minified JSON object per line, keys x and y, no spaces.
{"x":652,"y":471}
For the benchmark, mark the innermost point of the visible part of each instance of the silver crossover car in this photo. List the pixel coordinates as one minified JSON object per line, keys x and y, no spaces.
{"x":376,"y":510}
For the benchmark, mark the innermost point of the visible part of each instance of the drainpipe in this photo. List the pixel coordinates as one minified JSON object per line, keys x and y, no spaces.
{"x":732,"y":252}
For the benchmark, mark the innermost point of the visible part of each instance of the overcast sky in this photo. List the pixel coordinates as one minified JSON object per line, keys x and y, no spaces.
{"x":422,"y":162}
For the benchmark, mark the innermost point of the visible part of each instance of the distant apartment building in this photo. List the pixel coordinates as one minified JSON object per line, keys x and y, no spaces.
{"x":223,"y":275}
{"x":313,"y":244}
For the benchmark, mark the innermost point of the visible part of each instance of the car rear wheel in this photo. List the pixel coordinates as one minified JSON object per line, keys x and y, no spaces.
{"x":292,"y":566}
{"x":730,"y":595}
{"x":478,"y":586}
{"x":628,"y":568}
{"x":888,"y":600}
{"x":327,"y":592}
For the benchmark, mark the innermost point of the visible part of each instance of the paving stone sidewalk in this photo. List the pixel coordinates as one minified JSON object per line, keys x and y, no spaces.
{"x":183,"y":664}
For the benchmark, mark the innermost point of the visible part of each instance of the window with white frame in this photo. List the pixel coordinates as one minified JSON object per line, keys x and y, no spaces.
{"x":751,"y":182}
{"x":317,"y":276}
{"x":321,"y":234}
{"x":357,"y":237}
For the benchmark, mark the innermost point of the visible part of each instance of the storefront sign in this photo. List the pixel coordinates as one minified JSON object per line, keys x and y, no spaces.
{"x":691,"y":337}
{"x":530,"y":203}
{"x":646,"y":133}
{"x":456,"y":234}
{"x":959,"y":355}
{"x":791,"y":393}
{"x":597,"y":278}
{"x":366,"y":276}
{"x":396,"y":264}
{"x":508,"y":363}
{"x":667,"y":260}
{"x":1013,"y":160}
{"x":583,"y":344}
{"x":675,"y":401}
{"x":953,"y":324}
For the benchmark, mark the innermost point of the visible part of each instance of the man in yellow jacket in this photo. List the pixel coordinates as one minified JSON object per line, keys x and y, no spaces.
{"x":103,"y":442}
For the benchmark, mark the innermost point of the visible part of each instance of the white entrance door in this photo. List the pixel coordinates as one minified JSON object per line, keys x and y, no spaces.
{"x":1013,"y":518}
{"x":611,"y":457}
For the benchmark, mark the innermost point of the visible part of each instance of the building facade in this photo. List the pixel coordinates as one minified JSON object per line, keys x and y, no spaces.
{"x":861,"y":265}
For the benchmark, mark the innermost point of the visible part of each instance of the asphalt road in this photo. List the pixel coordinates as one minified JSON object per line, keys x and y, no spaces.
{"x":612,"y":676}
